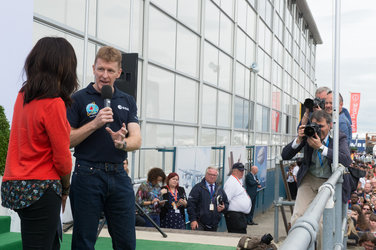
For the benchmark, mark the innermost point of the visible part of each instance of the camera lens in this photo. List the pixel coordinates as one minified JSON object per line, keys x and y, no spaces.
{"x":309,"y":131}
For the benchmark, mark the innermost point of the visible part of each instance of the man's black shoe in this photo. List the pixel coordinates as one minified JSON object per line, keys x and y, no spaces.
{"x":251,"y":223}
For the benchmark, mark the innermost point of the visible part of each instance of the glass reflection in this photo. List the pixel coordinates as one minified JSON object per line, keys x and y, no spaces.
{"x":159,"y":93}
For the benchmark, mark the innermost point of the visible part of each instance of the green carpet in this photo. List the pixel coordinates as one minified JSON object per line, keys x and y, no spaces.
{"x":11,"y":241}
{"x":105,"y":244}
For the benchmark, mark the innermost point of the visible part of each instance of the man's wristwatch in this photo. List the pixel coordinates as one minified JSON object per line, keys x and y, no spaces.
{"x":322,"y":147}
{"x":124,"y":145}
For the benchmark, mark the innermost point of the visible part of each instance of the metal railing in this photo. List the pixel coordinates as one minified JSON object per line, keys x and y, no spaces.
{"x":327,"y":203}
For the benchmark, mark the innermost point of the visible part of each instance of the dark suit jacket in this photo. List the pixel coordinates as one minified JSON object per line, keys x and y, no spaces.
{"x":343,"y":157}
{"x":251,"y":185}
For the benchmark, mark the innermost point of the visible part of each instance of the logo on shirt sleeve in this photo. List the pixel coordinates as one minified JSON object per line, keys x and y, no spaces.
{"x":92,"y":109}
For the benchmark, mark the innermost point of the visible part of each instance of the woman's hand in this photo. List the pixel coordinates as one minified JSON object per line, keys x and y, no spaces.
{"x":182,"y":202}
{"x":63,"y":201}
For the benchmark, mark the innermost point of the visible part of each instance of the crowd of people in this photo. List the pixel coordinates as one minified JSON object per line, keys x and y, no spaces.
{"x":164,"y":201}
{"x":362,"y":207}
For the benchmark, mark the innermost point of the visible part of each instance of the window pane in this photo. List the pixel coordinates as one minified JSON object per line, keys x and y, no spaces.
{"x":225,"y":72}
{"x":137,"y":27}
{"x":224,"y":109}
{"x":265,"y":119}
{"x":211,"y":22}
{"x":223,"y":137}
{"x":162,"y":34}
{"x":259,"y":89}
{"x":266,"y":94}
{"x":240,"y":46}
{"x":69,"y":12}
{"x":113,"y":15}
{"x":276,"y":99}
{"x":185,"y":136}
{"x":186,"y":101}
{"x":242,"y":14}
{"x":238,"y":113}
{"x":189,"y":13}
{"x":167,"y":5}
{"x":187,"y":52}
{"x":158,"y":135}
{"x":159,"y":90}
{"x":251,"y":23}
{"x":207,"y":137}
{"x":250,"y":52}
{"x":276,"y":121}
{"x":211,"y":66}
{"x":239,"y":83}
{"x":247,"y":83}
{"x":226,"y":34}
{"x":238,"y":138}
{"x":246,"y":115}
{"x":209,"y":104}
{"x":258,"y":118}
{"x":251,"y":115}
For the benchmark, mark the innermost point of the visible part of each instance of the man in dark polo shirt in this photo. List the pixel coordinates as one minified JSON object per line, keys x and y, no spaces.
{"x":99,"y":181}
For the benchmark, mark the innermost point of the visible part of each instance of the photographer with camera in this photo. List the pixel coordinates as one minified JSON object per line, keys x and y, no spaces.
{"x":312,"y":105}
{"x":318,"y":157}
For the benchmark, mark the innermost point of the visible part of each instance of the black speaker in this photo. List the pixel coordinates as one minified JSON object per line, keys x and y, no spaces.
{"x":127,"y":82}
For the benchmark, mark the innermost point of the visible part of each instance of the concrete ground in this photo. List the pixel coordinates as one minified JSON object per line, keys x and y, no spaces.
{"x":265,"y":225}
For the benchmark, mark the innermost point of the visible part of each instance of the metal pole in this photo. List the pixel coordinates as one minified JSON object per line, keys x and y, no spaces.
{"x":86,"y":38}
{"x":276,"y":199}
{"x":327,"y":230}
{"x":163,"y":160}
{"x":336,"y":82}
{"x":338,"y":238}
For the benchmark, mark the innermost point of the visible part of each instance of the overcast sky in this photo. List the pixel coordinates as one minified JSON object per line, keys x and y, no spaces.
{"x":358,"y":53}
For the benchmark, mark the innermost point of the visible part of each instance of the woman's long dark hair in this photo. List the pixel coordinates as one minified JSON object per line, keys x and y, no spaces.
{"x":50,"y":68}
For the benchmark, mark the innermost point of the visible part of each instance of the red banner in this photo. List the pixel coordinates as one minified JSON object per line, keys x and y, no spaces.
{"x":354,"y":109}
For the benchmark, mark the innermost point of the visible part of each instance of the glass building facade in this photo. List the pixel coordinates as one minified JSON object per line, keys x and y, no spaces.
{"x":210,"y":72}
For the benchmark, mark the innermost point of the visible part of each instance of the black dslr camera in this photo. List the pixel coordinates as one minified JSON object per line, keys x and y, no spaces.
{"x":315,"y":103}
{"x":219,"y":200}
{"x":267,"y":239}
{"x":311,"y":129}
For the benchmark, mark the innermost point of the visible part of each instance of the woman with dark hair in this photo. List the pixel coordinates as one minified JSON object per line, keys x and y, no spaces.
{"x":37,"y":172}
{"x":172,"y":213}
{"x":362,"y":222}
{"x":149,"y":195}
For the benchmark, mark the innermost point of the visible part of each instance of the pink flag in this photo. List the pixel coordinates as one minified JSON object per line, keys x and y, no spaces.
{"x":354,"y":109}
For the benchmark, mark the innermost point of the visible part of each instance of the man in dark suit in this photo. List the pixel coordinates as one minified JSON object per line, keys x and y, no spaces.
{"x":252,"y":183}
{"x":318,"y":157}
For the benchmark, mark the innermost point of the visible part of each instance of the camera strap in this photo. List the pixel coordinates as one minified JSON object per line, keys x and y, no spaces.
{"x":319,"y":153}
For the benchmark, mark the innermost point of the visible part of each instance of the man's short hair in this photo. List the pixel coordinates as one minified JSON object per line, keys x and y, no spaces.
{"x":109,"y":54}
{"x":318,"y":115}
{"x":211,"y":167}
{"x":322,"y":89}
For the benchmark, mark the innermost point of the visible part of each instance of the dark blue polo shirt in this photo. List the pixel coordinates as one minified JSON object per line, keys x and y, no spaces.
{"x":99,"y":146}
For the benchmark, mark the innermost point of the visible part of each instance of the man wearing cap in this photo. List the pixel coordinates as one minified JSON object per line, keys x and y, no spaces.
{"x":240,"y":202}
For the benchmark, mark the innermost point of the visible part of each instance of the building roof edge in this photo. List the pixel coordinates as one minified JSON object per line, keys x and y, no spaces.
{"x":307,"y":15}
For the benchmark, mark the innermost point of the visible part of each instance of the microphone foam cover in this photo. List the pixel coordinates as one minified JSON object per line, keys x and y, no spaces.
{"x":106,"y":92}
